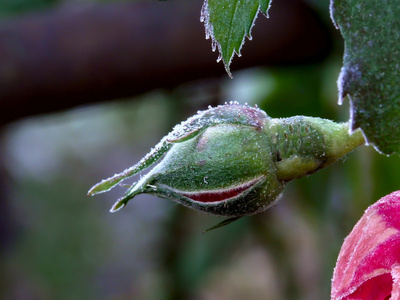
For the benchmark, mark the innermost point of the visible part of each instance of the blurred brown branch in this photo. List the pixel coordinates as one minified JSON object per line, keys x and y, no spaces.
{"x":76,"y":55}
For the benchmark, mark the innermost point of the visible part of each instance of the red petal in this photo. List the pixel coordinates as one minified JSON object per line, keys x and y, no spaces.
{"x":377,"y":288}
{"x":219,"y":195}
{"x":369,"y":253}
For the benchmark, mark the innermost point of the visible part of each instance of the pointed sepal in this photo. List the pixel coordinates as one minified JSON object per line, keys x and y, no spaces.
{"x":222,"y":223}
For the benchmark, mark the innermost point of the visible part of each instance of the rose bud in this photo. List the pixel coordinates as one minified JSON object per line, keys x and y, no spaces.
{"x":235,"y":160}
{"x":368,"y":266}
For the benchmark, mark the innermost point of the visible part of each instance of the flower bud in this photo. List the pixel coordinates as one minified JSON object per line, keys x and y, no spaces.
{"x":234,"y":160}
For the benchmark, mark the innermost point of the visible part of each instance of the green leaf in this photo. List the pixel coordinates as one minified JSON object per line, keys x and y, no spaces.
{"x":371,"y":68}
{"x":228,"y":22}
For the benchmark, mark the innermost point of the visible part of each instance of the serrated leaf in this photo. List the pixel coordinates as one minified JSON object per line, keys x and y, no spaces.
{"x":228,"y":22}
{"x":371,"y":68}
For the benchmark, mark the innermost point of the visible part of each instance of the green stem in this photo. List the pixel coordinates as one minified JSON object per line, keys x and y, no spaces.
{"x":341,"y":142}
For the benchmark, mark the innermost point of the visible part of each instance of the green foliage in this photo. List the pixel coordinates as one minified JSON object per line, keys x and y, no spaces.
{"x":371,"y":69}
{"x":228,"y":22}
{"x":10,"y":7}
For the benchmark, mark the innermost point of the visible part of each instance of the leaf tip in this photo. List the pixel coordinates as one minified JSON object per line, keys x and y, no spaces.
{"x":104,"y":185}
{"x":228,"y":71}
{"x":96,"y":189}
{"x":117,"y":206}
{"x":222,"y":223}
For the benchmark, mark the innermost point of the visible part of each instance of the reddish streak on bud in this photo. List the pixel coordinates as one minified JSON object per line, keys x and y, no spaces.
{"x":219,"y":195}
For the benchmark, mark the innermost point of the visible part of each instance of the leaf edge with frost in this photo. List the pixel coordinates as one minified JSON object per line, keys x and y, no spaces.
{"x":216,"y":42}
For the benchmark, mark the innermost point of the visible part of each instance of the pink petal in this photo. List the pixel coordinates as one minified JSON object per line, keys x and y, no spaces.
{"x":367,"y":260}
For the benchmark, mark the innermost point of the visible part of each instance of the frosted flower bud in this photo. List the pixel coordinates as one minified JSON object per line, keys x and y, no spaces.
{"x":234,"y":160}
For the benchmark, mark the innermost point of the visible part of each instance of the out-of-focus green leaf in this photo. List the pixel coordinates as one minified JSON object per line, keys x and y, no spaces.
{"x":228,"y":22}
{"x":13,"y":7}
{"x":371,"y":68}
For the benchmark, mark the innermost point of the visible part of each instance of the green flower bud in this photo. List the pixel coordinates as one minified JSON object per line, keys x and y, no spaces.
{"x":235,"y":160}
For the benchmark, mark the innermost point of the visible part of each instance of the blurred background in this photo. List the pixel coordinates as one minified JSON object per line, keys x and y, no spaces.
{"x":87,"y":87}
